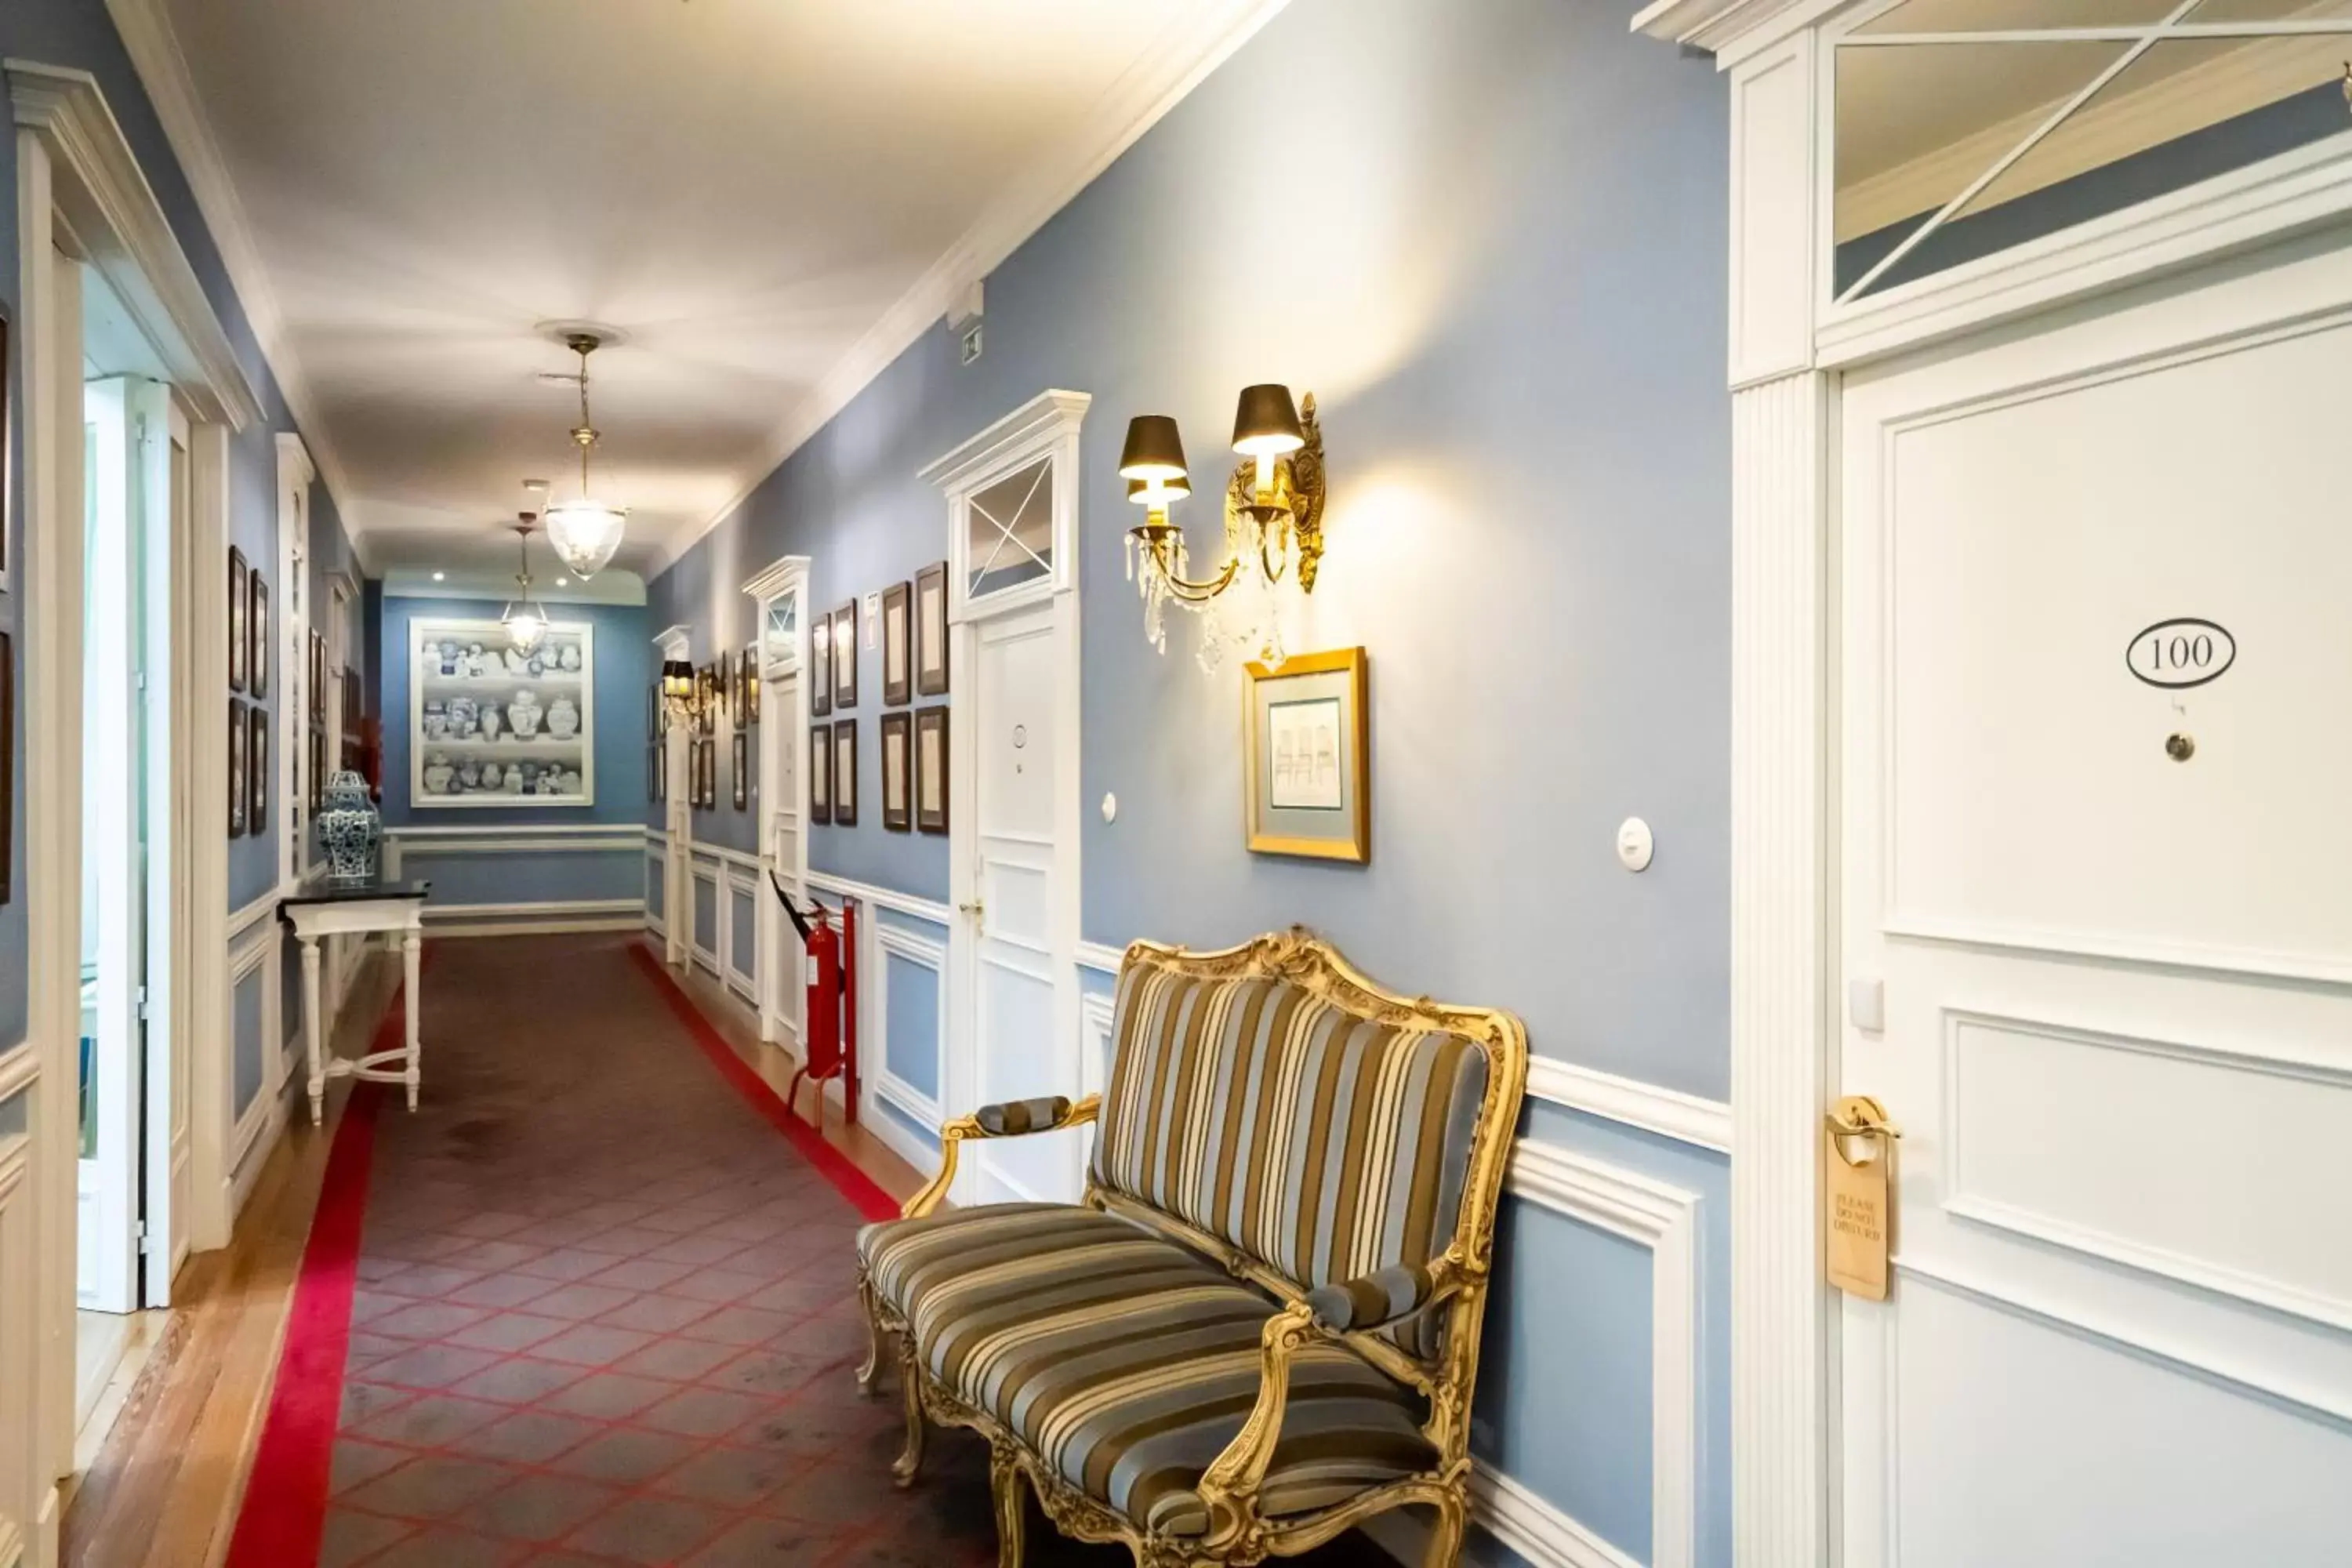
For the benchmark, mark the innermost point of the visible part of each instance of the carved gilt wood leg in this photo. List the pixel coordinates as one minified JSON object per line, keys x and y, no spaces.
{"x":1445,"y":1541}
{"x":1011,"y":1489}
{"x":910,"y":1377}
{"x":873,"y":1367}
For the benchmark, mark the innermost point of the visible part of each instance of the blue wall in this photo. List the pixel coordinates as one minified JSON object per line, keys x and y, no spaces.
{"x":1492,"y":245}
{"x":79,"y":34}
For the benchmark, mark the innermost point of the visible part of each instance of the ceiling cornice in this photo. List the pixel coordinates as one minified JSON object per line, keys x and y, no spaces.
{"x":163,"y":71}
{"x":1716,"y":25}
{"x":1175,"y":63}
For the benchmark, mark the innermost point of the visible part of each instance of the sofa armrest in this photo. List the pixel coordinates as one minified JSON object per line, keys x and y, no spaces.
{"x":1379,"y":1299}
{"x":1014,"y":1119}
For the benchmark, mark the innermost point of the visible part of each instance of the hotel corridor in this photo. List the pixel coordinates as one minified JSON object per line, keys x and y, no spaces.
{"x":591,"y":1304}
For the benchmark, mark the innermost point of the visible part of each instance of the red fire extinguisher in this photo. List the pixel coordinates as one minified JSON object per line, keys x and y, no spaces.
{"x":829,"y":1027}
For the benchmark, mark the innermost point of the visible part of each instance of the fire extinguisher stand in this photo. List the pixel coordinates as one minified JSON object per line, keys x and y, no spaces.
{"x":829,"y":1021}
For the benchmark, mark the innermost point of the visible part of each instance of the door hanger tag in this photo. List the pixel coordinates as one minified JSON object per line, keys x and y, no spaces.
{"x":1857,"y":1187}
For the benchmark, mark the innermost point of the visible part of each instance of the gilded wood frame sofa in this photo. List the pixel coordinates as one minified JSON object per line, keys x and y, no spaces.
{"x":1258,"y":1328}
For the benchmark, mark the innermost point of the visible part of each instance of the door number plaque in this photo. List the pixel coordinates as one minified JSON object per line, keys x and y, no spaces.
{"x":1857,"y":1189}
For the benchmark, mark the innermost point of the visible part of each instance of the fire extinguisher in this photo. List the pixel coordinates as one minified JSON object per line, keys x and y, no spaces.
{"x":831,"y":1019}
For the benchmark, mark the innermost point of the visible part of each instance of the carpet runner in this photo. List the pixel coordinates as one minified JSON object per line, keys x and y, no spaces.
{"x":594,"y":1303}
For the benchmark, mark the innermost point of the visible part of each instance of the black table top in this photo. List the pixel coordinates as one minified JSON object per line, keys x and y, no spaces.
{"x":333,"y":893}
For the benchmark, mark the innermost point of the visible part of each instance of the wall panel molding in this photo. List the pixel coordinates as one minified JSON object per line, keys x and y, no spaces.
{"x":910,"y":904}
{"x":1668,"y":1112}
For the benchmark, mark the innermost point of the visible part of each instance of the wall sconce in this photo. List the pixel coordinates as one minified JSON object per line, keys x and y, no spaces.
{"x":1274,"y":513}
{"x":678,"y":688}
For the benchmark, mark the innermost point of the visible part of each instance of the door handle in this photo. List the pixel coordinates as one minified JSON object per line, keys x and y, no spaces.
{"x":973,"y":909}
{"x":1859,"y":1116}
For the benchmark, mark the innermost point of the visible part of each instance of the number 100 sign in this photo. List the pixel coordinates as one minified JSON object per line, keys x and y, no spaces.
{"x":2180,"y":653}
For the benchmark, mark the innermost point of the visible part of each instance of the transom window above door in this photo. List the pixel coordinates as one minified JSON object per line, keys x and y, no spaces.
{"x":1009,"y":531}
{"x":1965,"y":127}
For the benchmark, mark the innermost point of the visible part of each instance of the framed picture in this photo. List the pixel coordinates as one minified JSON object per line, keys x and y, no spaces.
{"x":652,"y":772}
{"x":930,"y":651}
{"x":318,"y":678}
{"x":898,"y":668}
{"x":315,"y":783}
{"x":240,"y":589}
{"x":236,"y":734}
{"x":742,"y":770}
{"x":845,"y":656}
{"x":707,"y":773}
{"x":7,"y":471}
{"x":706,"y":694}
{"x":352,"y":701}
{"x":7,"y":733}
{"x":257,"y":771}
{"x":727,"y":686}
{"x":652,"y":712}
{"x":932,"y":770}
{"x":820,"y":689}
{"x":844,"y":773}
{"x":898,"y":804}
{"x":258,"y":626}
{"x":1307,"y":755}
{"x":751,"y":685}
{"x":820,"y":774}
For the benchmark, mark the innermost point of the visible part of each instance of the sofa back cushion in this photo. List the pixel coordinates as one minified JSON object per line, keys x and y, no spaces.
{"x":1317,"y":1141}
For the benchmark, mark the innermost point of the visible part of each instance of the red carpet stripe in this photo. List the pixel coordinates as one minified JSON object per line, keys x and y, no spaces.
{"x":285,"y":1505}
{"x":852,"y":1183}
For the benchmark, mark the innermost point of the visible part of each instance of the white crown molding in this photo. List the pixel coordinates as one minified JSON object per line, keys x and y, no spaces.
{"x":1717,"y":26}
{"x":675,"y":642}
{"x":780,"y":577}
{"x":1204,"y":37}
{"x":111,"y":210}
{"x":163,"y":70}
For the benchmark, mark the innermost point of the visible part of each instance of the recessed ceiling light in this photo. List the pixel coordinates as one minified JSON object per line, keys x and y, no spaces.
{"x":563,"y":582}
{"x":438,"y":575}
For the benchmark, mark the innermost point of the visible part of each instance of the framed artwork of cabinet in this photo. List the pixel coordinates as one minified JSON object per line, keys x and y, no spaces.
{"x":493,"y":725}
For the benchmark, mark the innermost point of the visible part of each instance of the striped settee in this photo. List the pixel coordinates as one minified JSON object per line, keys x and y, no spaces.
{"x":1259,"y":1326}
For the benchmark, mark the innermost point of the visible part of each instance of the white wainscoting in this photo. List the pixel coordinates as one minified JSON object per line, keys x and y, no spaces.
{"x":704,"y":945}
{"x":1670,"y":1113}
{"x":531,"y":917}
{"x":256,"y":948}
{"x":1663,"y":1218}
{"x":886,"y":942}
{"x":656,"y":881}
{"x":740,"y":881}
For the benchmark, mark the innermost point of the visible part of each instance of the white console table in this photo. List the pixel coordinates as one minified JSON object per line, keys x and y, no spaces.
{"x":394,"y":909}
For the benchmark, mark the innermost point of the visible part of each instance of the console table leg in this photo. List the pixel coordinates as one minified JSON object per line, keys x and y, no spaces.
{"x":412,"y":952}
{"x":313,"y":1048}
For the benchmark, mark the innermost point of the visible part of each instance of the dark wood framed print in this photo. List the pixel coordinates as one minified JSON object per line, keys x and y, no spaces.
{"x":932,"y":770}
{"x":1306,"y":736}
{"x":820,"y":772}
{"x":710,"y":773}
{"x":706,"y":690}
{"x":742,"y":770}
{"x":897,"y":788}
{"x":314,"y":786}
{"x":257,"y":771}
{"x":931,"y":650}
{"x":845,"y":656}
{"x":844,"y":773}
{"x":7,"y":473}
{"x":652,"y":772}
{"x":652,"y":712}
{"x":236,"y":734}
{"x":898,"y":663}
{"x":7,"y":710}
{"x":751,"y":685}
{"x":820,"y":664}
{"x":727,"y":687}
{"x":318,"y":678}
{"x":258,"y":627}
{"x":240,"y":591}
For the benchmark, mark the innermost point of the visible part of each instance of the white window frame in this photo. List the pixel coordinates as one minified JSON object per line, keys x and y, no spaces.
{"x":1046,"y":427}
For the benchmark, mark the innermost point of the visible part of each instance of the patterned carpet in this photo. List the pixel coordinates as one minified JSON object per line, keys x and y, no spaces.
{"x":604,"y":1310}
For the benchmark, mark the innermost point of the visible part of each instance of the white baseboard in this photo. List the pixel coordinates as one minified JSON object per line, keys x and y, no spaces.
{"x":1514,"y":1517}
{"x":538,"y":928}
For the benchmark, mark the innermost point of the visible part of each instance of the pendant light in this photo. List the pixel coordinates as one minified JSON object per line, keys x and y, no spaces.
{"x":525,"y":622}
{"x":585,"y":532}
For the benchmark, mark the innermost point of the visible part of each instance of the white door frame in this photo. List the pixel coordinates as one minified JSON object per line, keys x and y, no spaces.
{"x":782,"y":723}
{"x":82,"y":200}
{"x":677,"y":817}
{"x":1046,"y":426}
{"x":1787,"y":342}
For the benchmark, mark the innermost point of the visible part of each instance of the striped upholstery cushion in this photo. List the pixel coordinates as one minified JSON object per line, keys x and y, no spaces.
{"x":1128,"y":1363}
{"x":1317,"y":1142}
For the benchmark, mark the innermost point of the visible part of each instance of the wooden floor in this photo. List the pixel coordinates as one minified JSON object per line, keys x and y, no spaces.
{"x":163,"y":1490}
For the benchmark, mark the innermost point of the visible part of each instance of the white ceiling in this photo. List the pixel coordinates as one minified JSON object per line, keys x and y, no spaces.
{"x":771,"y":198}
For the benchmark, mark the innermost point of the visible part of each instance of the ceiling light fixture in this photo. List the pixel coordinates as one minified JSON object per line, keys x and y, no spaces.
{"x":585,"y":532}
{"x":526,"y":622}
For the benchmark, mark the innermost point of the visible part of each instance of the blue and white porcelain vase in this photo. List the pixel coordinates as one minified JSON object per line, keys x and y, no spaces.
{"x":350,"y":829}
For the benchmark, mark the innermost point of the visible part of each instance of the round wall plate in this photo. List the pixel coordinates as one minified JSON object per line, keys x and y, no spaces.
{"x":1635,"y":846}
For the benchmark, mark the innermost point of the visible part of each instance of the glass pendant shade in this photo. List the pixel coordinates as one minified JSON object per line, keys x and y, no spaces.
{"x":585,"y":534}
{"x":525,"y":625}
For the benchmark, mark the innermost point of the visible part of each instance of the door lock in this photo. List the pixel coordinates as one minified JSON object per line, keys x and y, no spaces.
{"x":973,"y":909}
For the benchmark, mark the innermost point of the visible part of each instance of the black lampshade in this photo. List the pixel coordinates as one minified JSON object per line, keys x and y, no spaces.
{"x":1267,"y":422}
{"x":678,"y":679}
{"x":1155,"y":450}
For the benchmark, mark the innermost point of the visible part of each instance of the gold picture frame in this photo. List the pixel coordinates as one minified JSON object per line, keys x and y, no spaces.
{"x":1307,"y":757}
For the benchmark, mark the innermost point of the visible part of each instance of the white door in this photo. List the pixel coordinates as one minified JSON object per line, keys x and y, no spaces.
{"x":169,"y":1195}
{"x":1012,"y":892}
{"x":783,"y":733}
{"x":2096,"y":863}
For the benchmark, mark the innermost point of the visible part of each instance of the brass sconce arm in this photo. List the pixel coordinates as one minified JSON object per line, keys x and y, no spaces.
{"x":1159,"y":541}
